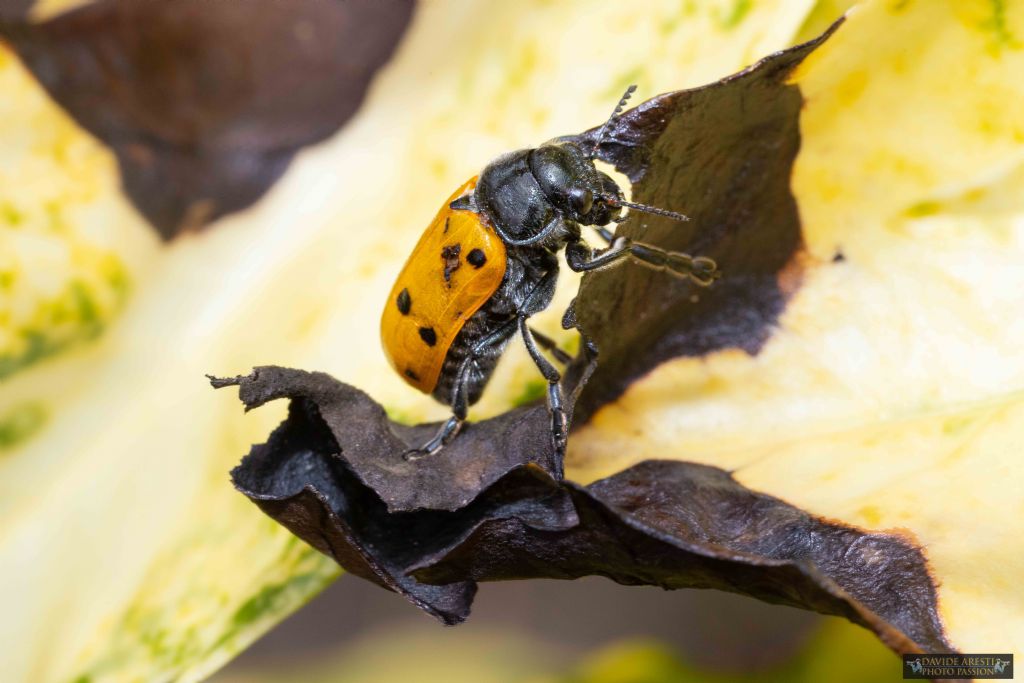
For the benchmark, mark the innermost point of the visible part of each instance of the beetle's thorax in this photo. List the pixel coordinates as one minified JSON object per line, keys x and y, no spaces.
{"x":544,"y":194}
{"x":510,"y":198}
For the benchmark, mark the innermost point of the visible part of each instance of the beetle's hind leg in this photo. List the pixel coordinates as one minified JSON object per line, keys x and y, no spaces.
{"x":460,"y":399}
{"x":556,"y":404}
{"x":445,"y":434}
{"x":453,"y":424}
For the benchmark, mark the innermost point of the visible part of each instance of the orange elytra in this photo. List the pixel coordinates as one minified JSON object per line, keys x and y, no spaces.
{"x":456,"y":266}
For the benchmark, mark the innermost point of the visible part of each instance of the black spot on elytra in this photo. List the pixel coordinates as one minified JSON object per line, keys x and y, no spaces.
{"x":447,"y":224}
{"x":839,"y":257}
{"x":450,"y":256}
{"x":404,"y":302}
{"x":476,"y":258}
{"x":412,"y":375}
{"x":428,"y":335}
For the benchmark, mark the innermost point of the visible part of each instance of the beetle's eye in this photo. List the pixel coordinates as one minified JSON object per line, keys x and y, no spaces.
{"x":582,"y":200}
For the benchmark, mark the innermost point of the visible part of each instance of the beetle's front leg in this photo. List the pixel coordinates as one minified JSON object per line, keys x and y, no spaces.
{"x":699,"y":269}
{"x":607,"y":235}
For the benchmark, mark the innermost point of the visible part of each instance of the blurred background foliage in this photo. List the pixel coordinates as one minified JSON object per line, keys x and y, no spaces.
{"x":547,"y":632}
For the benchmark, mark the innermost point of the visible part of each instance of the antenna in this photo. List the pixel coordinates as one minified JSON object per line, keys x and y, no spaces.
{"x":604,"y":128}
{"x":615,"y":201}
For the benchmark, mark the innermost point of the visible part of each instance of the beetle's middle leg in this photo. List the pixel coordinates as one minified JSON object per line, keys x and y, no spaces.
{"x":537,"y":300}
{"x":556,"y":404}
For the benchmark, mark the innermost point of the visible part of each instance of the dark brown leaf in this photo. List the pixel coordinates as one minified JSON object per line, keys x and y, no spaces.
{"x":333,"y":474}
{"x":14,"y":10}
{"x":206,"y":103}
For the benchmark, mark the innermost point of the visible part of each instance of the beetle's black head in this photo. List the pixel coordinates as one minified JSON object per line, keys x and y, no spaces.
{"x":570,"y":181}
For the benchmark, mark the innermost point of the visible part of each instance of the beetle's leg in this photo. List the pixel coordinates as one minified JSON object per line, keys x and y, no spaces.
{"x":445,"y":434}
{"x":700,"y":269}
{"x":549,"y":345}
{"x":588,"y":353}
{"x":453,"y":424}
{"x":460,"y":404}
{"x":556,"y":407}
{"x":606,"y":234}
{"x":535,"y":302}
{"x":550,"y":227}
{"x":569,"y":316}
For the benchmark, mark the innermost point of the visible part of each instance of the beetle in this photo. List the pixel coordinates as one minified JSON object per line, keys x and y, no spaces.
{"x":489,"y":261}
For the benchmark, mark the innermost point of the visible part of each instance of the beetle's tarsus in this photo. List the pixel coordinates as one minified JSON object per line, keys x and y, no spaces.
{"x":442,"y":438}
{"x":414,"y":454}
{"x":700,"y":270}
{"x":559,"y":428}
{"x":704,"y":271}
